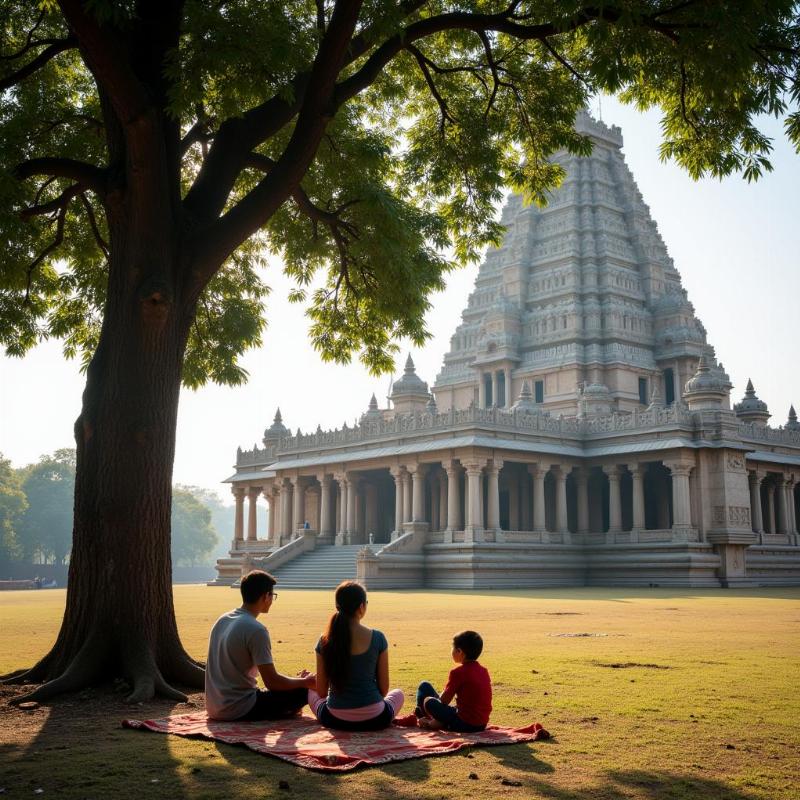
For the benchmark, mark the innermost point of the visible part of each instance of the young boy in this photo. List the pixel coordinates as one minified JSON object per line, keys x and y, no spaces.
{"x":469,"y":683}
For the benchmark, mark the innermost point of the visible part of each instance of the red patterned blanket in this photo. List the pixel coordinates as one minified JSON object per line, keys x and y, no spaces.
{"x":302,"y":741}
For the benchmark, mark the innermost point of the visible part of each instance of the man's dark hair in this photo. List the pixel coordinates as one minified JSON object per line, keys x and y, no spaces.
{"x":469,"y":643}
{"x":256,"y":584}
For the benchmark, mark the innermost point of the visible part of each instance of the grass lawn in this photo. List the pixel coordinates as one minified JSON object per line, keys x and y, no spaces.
{"x":675,"y":694}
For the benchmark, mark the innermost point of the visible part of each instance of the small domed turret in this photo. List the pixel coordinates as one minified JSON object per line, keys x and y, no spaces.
{"x":410,"y":393}
{"x":276,"y":431}
{"x":751,"y":409}
{"x":708,"y":388}
{"x":792,"y":424}
{"x":372,"y":412}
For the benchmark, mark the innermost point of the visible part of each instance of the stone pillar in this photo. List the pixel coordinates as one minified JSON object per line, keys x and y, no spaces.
{"x":435,"y":504}
{"x":474,"y":526}
{"x":538,"y":496}
{"x":442,"y":501}
{"x":481,"y":390}
{"x":342,"y":530}
{"x":771,"y":507}
{"x":370,"y":510}
{"x":513,"y":503}
{"x":352,"y":493}
{"x":407,"y":496}
{"x":681,"y":501}
{"x":507,"y":380}
{"x":453,"y":497}
{"x":418,"y":492}
{"x":272,"y":517}
{"x":637,"y":473}
{"x":526,"y":504}
{"x":298,"y":505}
{"x":238,"y":519}
{"x":582,"y":487}
{"x":493,"y":497}
{"x":252,"y":512}
{"x":397,"y":474}
{"x":286,"y":511}
{"x":756,"y":517}
{"x":494,"y":387}
{"x":783,"y":515}
{"x":615,"y":501}
{"x":561,"y":503}
{"x":793,"y":527}
{"x":325,"y":505}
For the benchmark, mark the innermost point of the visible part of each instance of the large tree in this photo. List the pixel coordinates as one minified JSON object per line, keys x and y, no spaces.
{"x":154,"y":149}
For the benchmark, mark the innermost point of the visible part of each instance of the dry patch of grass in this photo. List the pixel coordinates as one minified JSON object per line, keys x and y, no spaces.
{"x":652,"y":694}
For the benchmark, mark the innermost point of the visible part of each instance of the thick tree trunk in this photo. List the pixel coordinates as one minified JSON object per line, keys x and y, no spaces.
{"x":119,"y":619}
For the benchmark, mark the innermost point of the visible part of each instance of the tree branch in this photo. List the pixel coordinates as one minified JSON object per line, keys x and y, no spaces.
{"x":250,"y":213}
{"x":237,"y":137}
{"x":59,"y":238}
{"x":37,"y":63}
{"x":105,"y":52}
{"x":58,"y":204}
{"x":101,"y":242}
{"x":89,"y":176}
{"x":445,"y":115}
{"x":28,"y":39}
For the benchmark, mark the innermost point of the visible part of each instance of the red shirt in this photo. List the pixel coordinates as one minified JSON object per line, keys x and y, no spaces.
{"x":472,"y":687}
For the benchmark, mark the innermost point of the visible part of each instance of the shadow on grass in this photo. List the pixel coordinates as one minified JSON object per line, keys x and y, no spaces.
{"x":652,"y":785}
{"x":80,"y":751}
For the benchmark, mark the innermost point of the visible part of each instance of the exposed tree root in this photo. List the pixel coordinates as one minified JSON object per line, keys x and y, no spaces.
{"x":84,"y":670}
{"x":101,"y":658}
{"x":15,"y":677}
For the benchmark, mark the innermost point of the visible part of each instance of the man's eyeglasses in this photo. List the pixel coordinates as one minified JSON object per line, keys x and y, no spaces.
{"x":274,"y":595}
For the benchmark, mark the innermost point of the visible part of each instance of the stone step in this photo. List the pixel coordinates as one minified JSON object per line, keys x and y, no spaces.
{"x":323,"y":568}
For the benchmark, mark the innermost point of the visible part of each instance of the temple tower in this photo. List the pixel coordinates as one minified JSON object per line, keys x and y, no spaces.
{"x":581,"y":300}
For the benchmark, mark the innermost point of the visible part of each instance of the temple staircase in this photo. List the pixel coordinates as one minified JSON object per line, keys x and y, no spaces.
{"x":323,"y":568}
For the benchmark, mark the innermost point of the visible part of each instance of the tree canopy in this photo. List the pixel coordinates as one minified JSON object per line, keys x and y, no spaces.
{"x":45,"y":529}
{"x":393,"y":127}
{"x":12,"y":505}
{"x":193,"y":533}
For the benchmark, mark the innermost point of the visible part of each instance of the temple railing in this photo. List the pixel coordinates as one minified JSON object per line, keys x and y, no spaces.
{"x":498,"y":419}
{"x":761,"y":433}
{"x":495,"y":418}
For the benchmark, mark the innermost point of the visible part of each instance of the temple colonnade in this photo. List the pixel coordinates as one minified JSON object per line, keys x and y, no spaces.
{"x":476,"y":498}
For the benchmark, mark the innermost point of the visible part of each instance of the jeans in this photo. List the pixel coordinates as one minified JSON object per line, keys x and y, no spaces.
{"x":445,"y":714}
{"x":277,"y":704}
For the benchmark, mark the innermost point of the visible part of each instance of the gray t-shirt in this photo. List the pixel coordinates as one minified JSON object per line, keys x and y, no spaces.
{"x":238,"y":644}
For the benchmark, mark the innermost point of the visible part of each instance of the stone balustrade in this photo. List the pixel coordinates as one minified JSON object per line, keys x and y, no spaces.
{"x":492,"y":418}
{"x":763,"y":433}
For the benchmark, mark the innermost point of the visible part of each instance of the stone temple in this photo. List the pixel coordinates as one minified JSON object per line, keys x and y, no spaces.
{"x":579,"y":432}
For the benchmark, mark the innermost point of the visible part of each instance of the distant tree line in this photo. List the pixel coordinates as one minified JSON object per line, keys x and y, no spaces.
{"x":36,"y":505}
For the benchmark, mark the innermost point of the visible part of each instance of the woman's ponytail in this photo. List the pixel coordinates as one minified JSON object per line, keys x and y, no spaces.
{"x":337,"y":639}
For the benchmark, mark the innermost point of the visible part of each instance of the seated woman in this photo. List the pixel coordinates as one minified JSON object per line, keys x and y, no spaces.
{"x":352,"y":692}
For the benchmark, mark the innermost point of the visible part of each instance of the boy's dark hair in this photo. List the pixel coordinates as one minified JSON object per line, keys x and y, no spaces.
{"x":256,"y":584}
{"x":469,"y":643}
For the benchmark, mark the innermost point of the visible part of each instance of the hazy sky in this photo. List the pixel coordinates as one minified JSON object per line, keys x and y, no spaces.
{"x":736,"y":245}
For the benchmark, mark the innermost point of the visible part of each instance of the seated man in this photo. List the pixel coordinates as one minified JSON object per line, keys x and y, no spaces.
{"x":238,"y":650}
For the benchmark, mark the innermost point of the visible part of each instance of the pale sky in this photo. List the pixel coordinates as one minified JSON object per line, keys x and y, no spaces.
{"x":736,"y":245}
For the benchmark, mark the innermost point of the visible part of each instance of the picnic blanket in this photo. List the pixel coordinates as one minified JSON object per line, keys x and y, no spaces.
{"x":304,"y":742}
